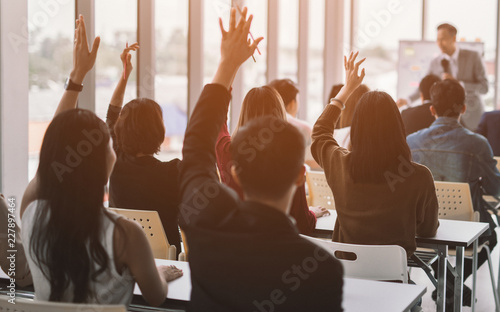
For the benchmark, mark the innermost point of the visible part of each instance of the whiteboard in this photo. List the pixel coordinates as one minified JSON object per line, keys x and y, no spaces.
{"x":415,"y":58}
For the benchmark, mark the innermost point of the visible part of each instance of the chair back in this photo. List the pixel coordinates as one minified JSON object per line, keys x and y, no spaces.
{"x":320,"y":193}
{"x":26,"y":305}
{"x":373,"y":262}
{"x":151,"y":224}
{"x":455,"y":201}
{"x":498,"y":162}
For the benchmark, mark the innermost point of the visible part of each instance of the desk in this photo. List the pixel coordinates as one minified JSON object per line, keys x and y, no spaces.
{"x":451,"y":233}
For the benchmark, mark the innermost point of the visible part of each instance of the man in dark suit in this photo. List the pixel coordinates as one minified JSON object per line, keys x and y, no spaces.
{"x":248,"y":255}
{"x":489,"y":127}
{"x":464,"y":66}
{"x":419,"y":117}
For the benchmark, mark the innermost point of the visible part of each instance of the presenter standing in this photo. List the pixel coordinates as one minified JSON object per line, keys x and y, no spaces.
{"x":463,"y":65}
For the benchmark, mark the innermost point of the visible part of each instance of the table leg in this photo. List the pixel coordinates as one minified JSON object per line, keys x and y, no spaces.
{"x":459,"y":280}
{"x":441,"y":289}
{"x":474,"y":271}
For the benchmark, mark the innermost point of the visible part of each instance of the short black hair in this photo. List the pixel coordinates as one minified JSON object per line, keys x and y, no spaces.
{"x":286,"y":88}
{"x":268,"y":154}
{"x":425,"y":85}
{"x":450,"y":28}
{"x":448,"y":98}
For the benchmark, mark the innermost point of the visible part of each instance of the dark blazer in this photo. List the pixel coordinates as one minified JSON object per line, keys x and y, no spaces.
{"x":145,"y":183}
{"x":489,"y":127}
{"x":244,"y":256}
{"x":417,"y":117}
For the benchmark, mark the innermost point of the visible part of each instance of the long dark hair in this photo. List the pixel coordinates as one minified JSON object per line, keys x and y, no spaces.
{"x":72,"y":174}
{"x":378,"y":141}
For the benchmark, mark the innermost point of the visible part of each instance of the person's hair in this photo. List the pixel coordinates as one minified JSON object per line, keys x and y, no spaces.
{"x":72,"y":174}
{"x":425,"y":85}
{"x":257,"y":151}
{"x":345,"y":119}
{"x":334,"y":91}
{"x":140,"y":128}
{"x":448,"y":98}
{"x":452,"y":30}
{"x":286,"y":88}
{"x":378,"y":140}
{"x":261,"y":101}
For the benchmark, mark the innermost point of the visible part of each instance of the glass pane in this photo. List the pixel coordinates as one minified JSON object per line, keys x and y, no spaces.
{"x":51,"y":31}
{"x":171,"y":72}
{"x":378,"y":28}
{"x":288,"y":39}
{"x":475,"y":21}
{"x":116,"y":23}
{"x":315,"y":68}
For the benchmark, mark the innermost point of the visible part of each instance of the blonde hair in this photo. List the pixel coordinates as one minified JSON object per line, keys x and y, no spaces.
{"x":259,"y":102}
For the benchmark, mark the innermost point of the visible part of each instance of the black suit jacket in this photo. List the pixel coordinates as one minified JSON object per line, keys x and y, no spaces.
{"x":244,"y":256}
{"x":489,"y":127}
{"x":417,"y":118}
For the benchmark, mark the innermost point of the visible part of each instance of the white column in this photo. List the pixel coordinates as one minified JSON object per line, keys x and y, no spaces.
{"x":86,"y":99}
{"x":272,"y":40}
{"x":303,"y":57}
{"x":195,"y":52}
{"x":334,"y":45}
{"x":146,"y":56}
{"x":14,"y":89}
{"x":496,"y":103}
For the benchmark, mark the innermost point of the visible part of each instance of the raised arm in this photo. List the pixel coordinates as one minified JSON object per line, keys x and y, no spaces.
{"x":198,"y":177}
{"x":324,"y":145}
{"x":83,"y":61}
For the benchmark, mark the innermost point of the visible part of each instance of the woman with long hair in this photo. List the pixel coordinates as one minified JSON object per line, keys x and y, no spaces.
{"x":381,"y":196}
{"x":78,"y":251}
{"x":264,"y":101}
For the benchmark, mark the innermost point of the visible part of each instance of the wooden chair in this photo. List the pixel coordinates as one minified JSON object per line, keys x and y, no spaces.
{"x":373,"y":262}
{"x":150,"y":222}
{"x":320,"y":193}
{"x":455,"y":203}
{"x":26,"y":305}
{"x":497,"y":158}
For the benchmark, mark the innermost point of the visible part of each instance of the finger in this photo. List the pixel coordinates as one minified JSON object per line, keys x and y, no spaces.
{"x":243,"y":18}
{"x":83,"y":32}
{"x":222,"y":30}
{"x":362,"y":74}
{"x":232,"y":19}
{"x":248,"y":23}
{"x":95,"y":47}
{"x":356,"y":66}
{"x":256,"y":43}
{"x":345,"y":62}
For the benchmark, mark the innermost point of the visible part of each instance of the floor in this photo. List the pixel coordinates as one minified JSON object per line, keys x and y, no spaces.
{"x":485,"y":301}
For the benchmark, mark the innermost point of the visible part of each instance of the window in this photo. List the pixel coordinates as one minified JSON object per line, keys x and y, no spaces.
{"x":51,"y":32}
{"x":288,"y":39}
{"x":171,"y":81}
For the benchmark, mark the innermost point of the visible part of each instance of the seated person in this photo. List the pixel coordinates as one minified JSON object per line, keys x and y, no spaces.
{"x":247,"y":255}
{"x":456,"y":154}
{"x":381,"y":197}
{"x":489,"y":127}
{"x":22,"y":273}
{"x":419,"y":117}
{"x":139,"y":180}
{"x":77,"y":250}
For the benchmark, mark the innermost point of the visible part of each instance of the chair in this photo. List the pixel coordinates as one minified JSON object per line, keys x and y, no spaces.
{"x":497,"y":158}
{"x":455,"y":203}
{"x":26,"y":305}
{"x":373,"y":262}
{"x":150,"y":222}
{"x":320,"y":193}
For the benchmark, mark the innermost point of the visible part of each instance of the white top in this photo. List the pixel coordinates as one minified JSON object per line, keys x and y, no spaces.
{"x":359,"y":294}
{"x":306,"y":131}
{"x":110,"y":287}
{"x":343,"y":136}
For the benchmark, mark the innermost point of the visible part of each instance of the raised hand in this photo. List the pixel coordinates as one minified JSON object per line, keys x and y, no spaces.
{"x":170,"y":272}
{"x":126,"y":58}
{"x":352,"y":79}
{"x":83,"y":58}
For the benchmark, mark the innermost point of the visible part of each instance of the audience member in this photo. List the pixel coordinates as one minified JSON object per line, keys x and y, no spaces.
{"x":489,"y":127}
{"x":456,"y":154}
{"x":419,"y":117}
{"x":381,"y":197}
{"x":250,"y":244}
{"x":139,"y":180}
{"x":77,"y":251}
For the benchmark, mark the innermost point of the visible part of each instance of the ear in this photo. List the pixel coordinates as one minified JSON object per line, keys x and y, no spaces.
{"x":235,"y":175}
{"x":464,"y":108}
{"x":433,"y":111}
{"x":301,"y":178}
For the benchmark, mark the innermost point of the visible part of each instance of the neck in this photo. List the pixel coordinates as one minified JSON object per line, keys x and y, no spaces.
{"x":452,"y":51}
{"x":142,"y":155}
{"x":282,"y":205}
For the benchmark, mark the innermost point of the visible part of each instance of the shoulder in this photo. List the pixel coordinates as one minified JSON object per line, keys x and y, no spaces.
{"x":416,"y":137}
{"x":470,"y":54}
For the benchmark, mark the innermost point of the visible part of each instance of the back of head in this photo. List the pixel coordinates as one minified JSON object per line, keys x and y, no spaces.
{"x":335,"y":90}
{"x":72,"y":174}
{"x":378,"y":140}
{"x":350,"y":106}
{"x":452,"y":30}
{"x":140,"y":127}
{"x":259,"y":102}
{"x":286,"y":88}
{"x":268,"y":154}
{"x":425,"y":86}
{"x":448,"y":98}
